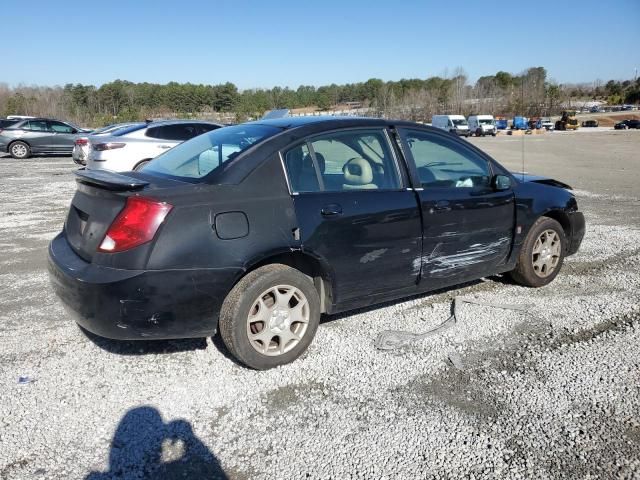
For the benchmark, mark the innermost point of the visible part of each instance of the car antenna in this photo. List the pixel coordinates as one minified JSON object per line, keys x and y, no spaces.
{"x":522,"y":106}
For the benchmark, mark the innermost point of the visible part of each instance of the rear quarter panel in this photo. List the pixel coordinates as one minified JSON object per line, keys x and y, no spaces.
{"x":189,"y":239}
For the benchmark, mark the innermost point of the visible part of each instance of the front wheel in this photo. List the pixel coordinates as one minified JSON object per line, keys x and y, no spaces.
{"x":20,"y":150}
{"x":270,"y":317}
{"x":140,"y":165}
{"x":541,"y":255}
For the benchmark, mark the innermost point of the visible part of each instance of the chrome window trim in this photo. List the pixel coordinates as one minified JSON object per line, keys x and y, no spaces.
{"x":286,"y":175}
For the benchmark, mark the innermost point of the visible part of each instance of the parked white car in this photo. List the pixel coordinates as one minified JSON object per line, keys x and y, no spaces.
{"x":133,"y":147}
{"x":81,"y":145}
{"x":451,"y":123}
{"x":547,"y":124}
{"x":482,"y":125}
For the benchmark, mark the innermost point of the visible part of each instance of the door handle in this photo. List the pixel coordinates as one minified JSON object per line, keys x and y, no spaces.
{"x":331,"y":210}
{"x":164,"y":146}
{"x":441,"y":206}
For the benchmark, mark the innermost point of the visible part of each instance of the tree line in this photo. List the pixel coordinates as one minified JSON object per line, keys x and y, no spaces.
{"x":530,"y":92}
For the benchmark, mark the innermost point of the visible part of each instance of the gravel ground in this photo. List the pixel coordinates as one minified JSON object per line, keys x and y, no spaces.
{"x":550,"y":394}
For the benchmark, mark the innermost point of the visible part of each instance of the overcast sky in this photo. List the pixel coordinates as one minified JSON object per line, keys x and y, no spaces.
{"x":288,"y":43}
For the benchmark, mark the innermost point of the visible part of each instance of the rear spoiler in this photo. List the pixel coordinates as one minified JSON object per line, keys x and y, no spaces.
{"x":109,"y":180}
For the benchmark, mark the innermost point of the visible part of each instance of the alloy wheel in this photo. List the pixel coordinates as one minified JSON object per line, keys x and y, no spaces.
{"x":278,"y":320}
{"x":546,"y":252}
{"x":19,"y":150}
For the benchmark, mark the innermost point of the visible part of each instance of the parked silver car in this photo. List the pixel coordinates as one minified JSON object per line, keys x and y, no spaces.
{"x":38,"y":136}
{"x":133,"y":147}
{"x":81,"y":145}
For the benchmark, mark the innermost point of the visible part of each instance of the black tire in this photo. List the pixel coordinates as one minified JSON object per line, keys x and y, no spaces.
{"x":141,"y":164}
{"x":493,"y":134}
{"x":525,"y":272}
{"x":234,"y":315}
{"x":20,"y":150}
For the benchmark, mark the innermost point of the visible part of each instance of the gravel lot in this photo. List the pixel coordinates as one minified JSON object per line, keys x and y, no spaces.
{"x":552,"y":394}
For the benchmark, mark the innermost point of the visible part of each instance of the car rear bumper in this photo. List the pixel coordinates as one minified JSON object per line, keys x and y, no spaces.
{"x":578,"y":228}
{"x":138,"y":304}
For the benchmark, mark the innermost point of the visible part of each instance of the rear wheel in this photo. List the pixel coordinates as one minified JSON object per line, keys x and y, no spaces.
{"x":541,"y":255}
{"x":20,"y":150}
{"x":270,"y":317}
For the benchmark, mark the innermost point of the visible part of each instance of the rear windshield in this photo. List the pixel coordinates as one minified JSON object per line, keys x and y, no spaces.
{"x":196,"y":158}
{"x":117,"y":127}
{"x":125,"y":130}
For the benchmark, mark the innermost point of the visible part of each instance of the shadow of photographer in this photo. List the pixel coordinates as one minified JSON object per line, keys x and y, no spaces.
{"x":147,"y":448}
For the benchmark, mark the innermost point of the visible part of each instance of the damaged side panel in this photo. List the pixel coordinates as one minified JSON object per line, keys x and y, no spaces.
{"x":468,"y":239}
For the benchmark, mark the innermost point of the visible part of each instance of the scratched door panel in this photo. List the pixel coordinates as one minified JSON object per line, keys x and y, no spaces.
{"x":467,"y":225}
{"x":467,"y":234}
{"x":371,"y":245}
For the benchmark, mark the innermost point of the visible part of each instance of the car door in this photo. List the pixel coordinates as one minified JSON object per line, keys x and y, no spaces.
{"x":63,"y":136}
{"x":468,"y":225}
{"x":353,"y":213}
{"x":38,"y":136}
{"x":168,"y":136}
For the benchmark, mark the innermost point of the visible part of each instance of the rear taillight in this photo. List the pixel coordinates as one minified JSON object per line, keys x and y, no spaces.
{"x":136,"y":224}
{"x":108,"y":146}
{"x":82,"y":141}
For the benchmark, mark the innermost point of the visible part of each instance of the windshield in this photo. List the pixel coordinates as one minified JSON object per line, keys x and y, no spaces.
{"x":459,"y":123}
{"x":73,"y":125}
{"x":201,"y":155}
{"x":486,"y":121}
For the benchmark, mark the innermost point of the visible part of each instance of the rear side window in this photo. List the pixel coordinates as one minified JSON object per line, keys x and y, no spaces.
{"x":202,"y":155}
{"x":342,"y":161}
{"x":443,"y":162}
{"x":204,"y":128}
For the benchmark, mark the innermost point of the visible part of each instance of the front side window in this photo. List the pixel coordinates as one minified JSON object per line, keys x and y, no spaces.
{"x":443,"y":162}
{"x":201,"y":155}
{"x":60,"y":127}
{"x":342,"y":161}
{"x":36,"y":126}
{"x":178,"y":131}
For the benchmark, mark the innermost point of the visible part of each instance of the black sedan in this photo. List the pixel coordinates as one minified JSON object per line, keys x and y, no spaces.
{"x":625,"y":124}
{"x":257,"y":229}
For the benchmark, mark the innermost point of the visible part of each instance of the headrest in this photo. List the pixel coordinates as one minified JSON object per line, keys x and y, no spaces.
{"x":357,"y":171}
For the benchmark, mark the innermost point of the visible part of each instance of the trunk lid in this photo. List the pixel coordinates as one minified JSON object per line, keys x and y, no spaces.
{"x":99,"y":198}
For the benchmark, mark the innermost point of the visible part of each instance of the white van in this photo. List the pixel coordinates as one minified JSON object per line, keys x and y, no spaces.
{"x":482,"y":125}
{"x":451,"y":123}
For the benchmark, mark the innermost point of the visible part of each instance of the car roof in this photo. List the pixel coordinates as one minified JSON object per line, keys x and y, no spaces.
{"x":326,"y":120}
{"x":173,"y":122}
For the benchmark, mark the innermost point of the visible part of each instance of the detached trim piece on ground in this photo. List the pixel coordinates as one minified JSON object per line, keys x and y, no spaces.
{"x":393,"y":339}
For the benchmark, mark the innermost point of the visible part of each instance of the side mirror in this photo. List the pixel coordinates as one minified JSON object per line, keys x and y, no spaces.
{"x":74,"y":130}
{"x":501,"y":183}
